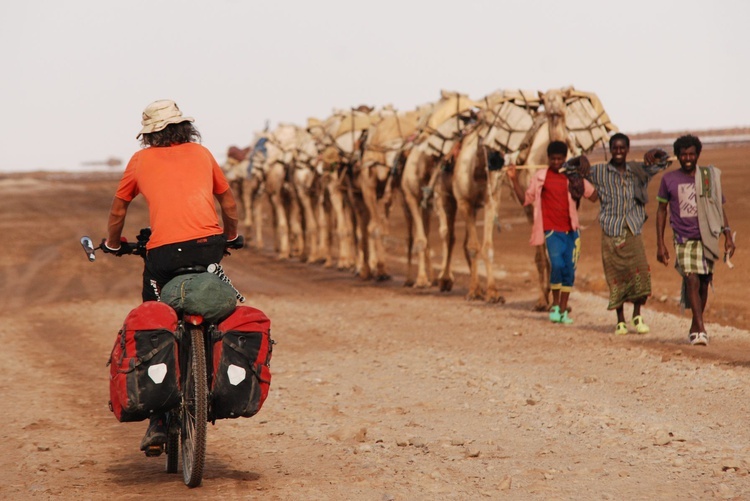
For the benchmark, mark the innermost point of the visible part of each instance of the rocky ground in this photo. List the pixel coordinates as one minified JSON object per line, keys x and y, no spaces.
{"x":379,"y":392}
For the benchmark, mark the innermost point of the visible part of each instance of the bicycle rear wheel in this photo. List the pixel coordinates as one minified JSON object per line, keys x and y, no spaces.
{"x":194,"y":411}
{"x":173,"y":441}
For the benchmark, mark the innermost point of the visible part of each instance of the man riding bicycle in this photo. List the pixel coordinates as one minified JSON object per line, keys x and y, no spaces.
{"x":179,"y":179}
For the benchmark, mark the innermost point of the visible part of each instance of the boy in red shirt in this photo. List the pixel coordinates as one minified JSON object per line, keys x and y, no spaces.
{"x":555,"y":223}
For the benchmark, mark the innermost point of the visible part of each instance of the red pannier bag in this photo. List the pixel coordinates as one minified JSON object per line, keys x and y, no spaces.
{"x":241,"y":356}
{"x":144,"y":370}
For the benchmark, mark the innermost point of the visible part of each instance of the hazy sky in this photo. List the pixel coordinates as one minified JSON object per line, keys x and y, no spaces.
{"x":76,"y":74}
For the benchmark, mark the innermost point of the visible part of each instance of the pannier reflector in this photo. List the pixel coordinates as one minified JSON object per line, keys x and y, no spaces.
{"x":236,"y":374}
{"x":157,"y":372}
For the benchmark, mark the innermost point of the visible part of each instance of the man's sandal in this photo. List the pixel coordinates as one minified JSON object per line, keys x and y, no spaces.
{"x":640,"y":325}
{"x":698,"y":338}
{"x":621,"y":329}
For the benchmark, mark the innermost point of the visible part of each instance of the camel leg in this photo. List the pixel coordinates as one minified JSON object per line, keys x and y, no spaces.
{"x":362,"y":221}
{"x":311,"y":226}
{"x":296,"y":224}
{"x":446,"y":211}
{"x":258,"y":221}
{"x":543,"y":269}
{"x":282,"y":225}
{"x":325,"y":223}
{"x":375,"y":231}
{"x":420,"y":240}
{"x":488,"y":253}
{"x":409,"y":282}
{"x":344,"y":228}
{"x":247,"y":202}
{"x":303,"y":202}
{"x":491,"y":215}
{"x":471,"y":249}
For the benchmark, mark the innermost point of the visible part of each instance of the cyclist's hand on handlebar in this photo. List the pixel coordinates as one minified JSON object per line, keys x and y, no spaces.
{"x":121,"y":250}
{"x":237,"y":242}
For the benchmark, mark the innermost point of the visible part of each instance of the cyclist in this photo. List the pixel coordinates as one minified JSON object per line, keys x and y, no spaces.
{"x":179,"y":179}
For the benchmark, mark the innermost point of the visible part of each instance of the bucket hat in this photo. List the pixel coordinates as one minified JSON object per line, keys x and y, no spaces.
{"x":159,"y":114}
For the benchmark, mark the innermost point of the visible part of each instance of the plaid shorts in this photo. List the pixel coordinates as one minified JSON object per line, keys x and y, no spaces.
{"x":690,"y":258}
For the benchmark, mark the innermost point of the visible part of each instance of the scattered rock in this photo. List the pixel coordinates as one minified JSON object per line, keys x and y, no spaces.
{"x":402,"y":442}
{"x":590,"y":379}
{"x":417,"y":442}
{"x":361,"y":436}
{"x":472,"y":452}
{"x":505,"y":483}
{"x":730,"y":464}
{"x":724,"y":492}
{"x":662,"y":437}
{"x":363,"y":448}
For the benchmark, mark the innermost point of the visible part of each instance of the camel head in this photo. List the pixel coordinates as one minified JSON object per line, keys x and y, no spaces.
{"x":554,"y":101}
{"x":238,"y":154}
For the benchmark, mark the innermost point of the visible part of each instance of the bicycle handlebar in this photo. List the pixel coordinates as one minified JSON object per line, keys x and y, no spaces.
{"x":139,"y":247}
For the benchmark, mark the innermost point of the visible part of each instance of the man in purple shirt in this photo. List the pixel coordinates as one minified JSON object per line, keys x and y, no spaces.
{"x":697,"y":218}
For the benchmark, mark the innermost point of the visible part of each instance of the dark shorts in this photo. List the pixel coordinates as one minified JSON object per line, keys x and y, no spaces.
{"x":162,"y":262}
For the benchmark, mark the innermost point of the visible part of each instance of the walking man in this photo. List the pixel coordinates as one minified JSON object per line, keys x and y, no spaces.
{"x":623,"y":187}
{"x":555,"y":223}
{"x":697,"y":218}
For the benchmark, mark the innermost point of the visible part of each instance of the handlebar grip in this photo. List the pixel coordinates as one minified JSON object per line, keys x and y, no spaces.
{"x":125,"y":248}
{"x":237,"y":243}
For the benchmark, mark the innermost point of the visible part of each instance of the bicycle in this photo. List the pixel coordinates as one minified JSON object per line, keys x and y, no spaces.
{"x":186,"y":424}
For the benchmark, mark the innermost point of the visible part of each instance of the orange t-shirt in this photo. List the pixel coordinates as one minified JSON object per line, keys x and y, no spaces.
{"x":179,"y":183}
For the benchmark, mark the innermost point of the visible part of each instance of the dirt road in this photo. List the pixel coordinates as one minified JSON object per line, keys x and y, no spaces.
{"x":379,"y":392}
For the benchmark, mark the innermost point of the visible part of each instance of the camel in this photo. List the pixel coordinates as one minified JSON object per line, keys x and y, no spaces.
{"x":247,"y":184}
{"x":473,"y":183}
{"x":274,"y":170}
{"x":306,"y":184}
{"x":439,"y":132}
{"x":334,"y":208}
{"x":373,"y":178}
{"x":235,"y":169}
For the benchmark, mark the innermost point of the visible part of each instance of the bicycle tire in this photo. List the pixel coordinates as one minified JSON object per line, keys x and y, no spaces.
{"x":173,"y":442}
{"x":194,"y":411}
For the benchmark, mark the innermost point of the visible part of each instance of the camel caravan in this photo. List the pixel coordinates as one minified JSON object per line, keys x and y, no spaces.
{"x":331,"y":183}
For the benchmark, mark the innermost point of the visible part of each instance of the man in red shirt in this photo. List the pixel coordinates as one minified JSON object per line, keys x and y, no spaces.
{"x":179,"y":179}
{"x":555,"y":223}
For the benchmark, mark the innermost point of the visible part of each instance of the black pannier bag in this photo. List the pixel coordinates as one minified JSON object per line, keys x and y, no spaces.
{"x":143,"y":366}
{"x":241,"y":357}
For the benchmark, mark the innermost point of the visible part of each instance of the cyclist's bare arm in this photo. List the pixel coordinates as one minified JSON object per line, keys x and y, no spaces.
{"x":228,"y":213}
{"x":116,"y":222}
